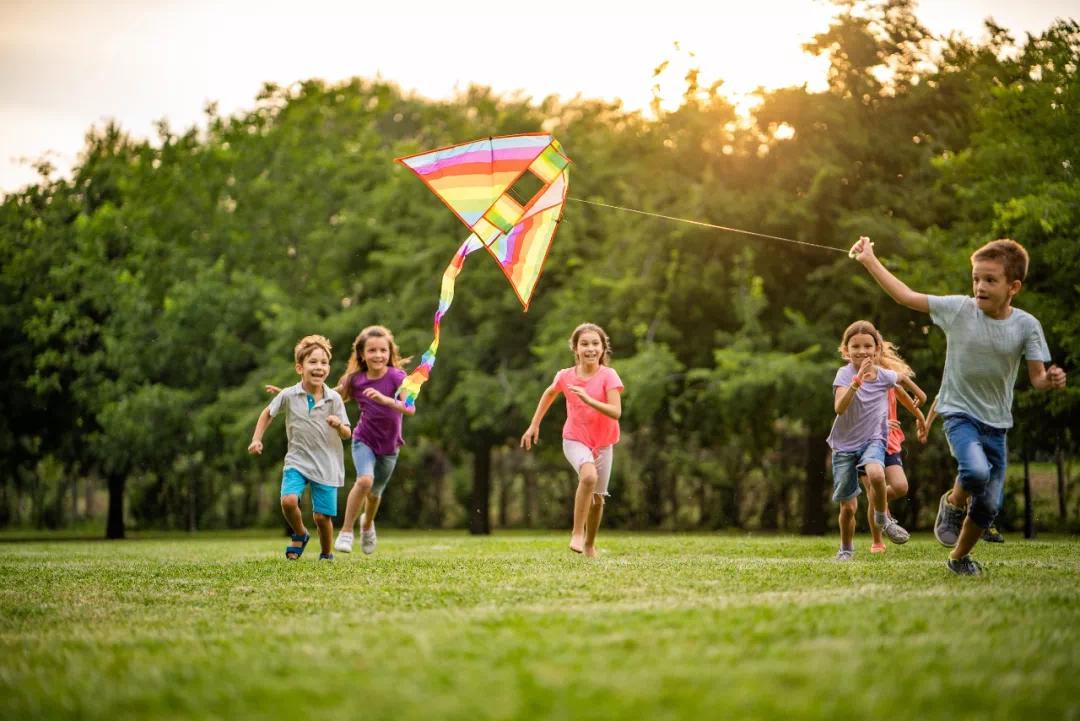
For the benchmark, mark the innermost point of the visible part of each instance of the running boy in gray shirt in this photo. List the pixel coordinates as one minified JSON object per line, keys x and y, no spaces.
{"x":986,"y":338}
{"x":315,"y":423}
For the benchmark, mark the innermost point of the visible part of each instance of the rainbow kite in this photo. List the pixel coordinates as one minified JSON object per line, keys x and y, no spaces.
{"x":510,"y":192}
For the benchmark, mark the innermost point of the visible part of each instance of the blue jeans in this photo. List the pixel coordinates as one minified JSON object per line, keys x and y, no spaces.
{"x":846,"y":466}
{"x":368,"y":463}
{"x":981,"y":454}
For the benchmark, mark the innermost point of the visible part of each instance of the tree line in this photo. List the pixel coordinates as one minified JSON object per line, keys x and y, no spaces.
{"x":150,"y":295}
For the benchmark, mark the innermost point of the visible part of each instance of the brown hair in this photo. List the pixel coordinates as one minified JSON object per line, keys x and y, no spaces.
{"x":308,"y":344}
{"x":890,"y":358}
{"x":357,"y":364}
{"x":1012,"y":256}
{"x":604,"y":340}
{"x":860,"y":327}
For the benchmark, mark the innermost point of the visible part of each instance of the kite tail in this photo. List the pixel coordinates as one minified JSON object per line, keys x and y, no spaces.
{"x":410,"y":387}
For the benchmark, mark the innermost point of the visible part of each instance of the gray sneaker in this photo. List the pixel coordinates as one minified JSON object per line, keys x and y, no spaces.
{"x":965,"y":566}
{"x":949,"y":520}
{"x":845,"y":554}
{"x":992,"y":535}
{"x":896,"y":533}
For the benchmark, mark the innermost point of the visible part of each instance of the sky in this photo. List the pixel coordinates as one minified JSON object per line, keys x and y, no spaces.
{"x":66,"y":65}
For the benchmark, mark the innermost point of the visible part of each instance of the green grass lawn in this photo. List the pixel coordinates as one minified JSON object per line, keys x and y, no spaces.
{"x":444,"y":626}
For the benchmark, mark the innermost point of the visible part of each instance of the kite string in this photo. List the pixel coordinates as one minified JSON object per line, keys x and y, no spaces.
{"x":707,"y":225}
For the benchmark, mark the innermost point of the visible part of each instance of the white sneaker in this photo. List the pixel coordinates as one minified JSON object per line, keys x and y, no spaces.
{"x":367,"y":538}
{"x":344,"y":542}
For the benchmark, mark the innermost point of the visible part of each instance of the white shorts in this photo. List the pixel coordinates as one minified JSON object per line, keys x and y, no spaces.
{"x":579,"y":454}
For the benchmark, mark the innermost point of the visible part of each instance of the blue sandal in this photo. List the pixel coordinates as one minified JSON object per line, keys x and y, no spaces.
{"x":294,"y":552}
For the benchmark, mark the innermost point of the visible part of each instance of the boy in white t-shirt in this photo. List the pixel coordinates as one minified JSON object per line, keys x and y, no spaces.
{"x":986,"y":338}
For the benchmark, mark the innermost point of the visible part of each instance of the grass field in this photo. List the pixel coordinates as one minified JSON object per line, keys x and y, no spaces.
{"x":444,"y":626}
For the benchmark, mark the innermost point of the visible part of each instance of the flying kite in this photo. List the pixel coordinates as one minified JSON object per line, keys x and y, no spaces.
{"x":510,"y":192}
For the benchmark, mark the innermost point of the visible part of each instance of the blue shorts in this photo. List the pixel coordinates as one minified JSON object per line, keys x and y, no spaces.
{"x":323,"y":497}
{"x":981,"y":454}
{"x":846,"y":466}
{"x":378,"y":468}
{"x":894,"y":459}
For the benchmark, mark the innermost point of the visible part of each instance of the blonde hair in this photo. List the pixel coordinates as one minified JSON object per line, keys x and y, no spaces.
{"x":604,"y":340}
{"x":357,"y":364}
{"x":861,"y":327}
{"x":890,"y":358}
{"x":308,"y":345}
{"x":1012,"y":256}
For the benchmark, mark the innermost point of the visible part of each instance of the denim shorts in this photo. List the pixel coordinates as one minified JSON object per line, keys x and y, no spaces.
{"x":846,"y":466}
{"x":378,"y":468}
{"x":981,"y":454}
{"x":323,"y":497}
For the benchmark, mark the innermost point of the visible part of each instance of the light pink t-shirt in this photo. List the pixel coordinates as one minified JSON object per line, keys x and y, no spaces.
{"x":584,"y":424}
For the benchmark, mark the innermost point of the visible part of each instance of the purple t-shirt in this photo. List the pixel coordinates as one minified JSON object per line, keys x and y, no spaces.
{"x":867,"y":418}
{"x":379,"y":427}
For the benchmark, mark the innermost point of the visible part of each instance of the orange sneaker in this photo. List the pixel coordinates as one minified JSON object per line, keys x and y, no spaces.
{"x":877,"y":548}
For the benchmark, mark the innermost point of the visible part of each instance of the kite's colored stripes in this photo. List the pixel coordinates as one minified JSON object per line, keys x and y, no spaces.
{"x":410,"y":387}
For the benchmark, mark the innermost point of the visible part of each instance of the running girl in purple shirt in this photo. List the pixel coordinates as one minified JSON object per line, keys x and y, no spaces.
{"x":372,"y":379}
{"x":858,"y":436}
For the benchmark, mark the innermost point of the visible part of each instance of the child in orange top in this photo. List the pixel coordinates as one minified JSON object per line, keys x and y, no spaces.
{"x":896,"y":483}
{"x":593,"y":406}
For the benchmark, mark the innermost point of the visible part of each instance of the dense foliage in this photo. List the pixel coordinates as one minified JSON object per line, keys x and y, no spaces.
{"x":149,"y":296}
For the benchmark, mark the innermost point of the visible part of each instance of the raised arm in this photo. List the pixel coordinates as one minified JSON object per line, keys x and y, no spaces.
{"x":863,"y":251}
{"x":532,"y":433}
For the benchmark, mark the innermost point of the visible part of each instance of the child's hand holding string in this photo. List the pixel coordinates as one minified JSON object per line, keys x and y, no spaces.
{"x":862,"y":250}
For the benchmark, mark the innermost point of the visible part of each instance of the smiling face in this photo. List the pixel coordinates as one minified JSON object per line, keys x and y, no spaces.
{"x":314,"y":368}
{"x":991,"y":287}
{"x":589,"y":349}
{"x":376,"y":354}
{"x":861,"y":346}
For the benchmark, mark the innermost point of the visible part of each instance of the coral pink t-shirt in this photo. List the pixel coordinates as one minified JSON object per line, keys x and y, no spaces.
{"x":583,"y":423}
{"x":896,"y":436}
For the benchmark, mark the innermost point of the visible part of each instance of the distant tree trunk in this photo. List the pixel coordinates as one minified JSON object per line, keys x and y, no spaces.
{"x":813,"y":520}
{"x":479,"y":503}
{"x":114,"y":526}
{"x":1029,"y":523}
{"x":191,"y":497}
{"x":1062,"y":510}
{"x":504,"y":500}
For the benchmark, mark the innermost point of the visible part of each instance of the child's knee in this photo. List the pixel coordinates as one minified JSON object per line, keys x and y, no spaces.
{"x":848,"y":508}
{"x":364,"y":483}
{"x":290,"y":502}
{"x":321,"y":517}
{"x":875,"y":473}
{"x":587,"y":476}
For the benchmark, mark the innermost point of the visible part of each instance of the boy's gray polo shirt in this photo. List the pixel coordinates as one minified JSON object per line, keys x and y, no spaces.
{"x":982,"y":357}
{"x":314,"y":447}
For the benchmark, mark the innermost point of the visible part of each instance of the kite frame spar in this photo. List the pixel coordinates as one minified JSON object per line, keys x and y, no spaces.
{"x":517,"y":235}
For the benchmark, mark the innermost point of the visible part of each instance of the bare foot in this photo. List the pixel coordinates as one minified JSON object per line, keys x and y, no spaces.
{"x":590,"y":551}
{"x":577,"y":544}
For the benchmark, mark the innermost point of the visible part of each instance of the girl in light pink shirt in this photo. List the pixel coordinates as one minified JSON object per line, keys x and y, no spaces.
{"x":593,"y":406}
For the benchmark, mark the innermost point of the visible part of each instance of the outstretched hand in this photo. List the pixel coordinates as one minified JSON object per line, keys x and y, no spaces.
{"x":862,"y":250}
{"x":272,"y":390}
